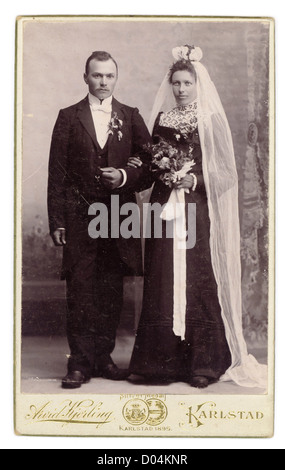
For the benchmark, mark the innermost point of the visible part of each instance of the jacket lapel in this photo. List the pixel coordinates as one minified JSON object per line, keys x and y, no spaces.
{"x":85,"y":117}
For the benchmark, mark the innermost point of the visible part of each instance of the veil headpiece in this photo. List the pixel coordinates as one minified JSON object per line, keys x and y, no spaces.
{"x":164,"y":99}
{"x":221,"y":183}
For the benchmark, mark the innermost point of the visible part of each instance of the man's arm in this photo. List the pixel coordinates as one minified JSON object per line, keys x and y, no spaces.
{"x":57,"y":178}
{"x":139,"y":178}
{"x":134,"y":178}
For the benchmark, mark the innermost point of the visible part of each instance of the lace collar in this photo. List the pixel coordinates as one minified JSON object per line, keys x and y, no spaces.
{"x":187,"y":107}
{"x":183,"y":118}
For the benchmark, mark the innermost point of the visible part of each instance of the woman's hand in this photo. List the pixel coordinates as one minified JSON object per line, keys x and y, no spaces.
{"x":187,"y":182}
{"x":134,"y":162}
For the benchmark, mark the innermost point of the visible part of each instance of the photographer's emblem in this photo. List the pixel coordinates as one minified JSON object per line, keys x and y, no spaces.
{"x":135,"y":411}
{"x":151,"y":412}
{"x":157,"y":411}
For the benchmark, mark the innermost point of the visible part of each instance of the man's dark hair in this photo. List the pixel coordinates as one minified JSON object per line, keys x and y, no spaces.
{"x":101,"y":56}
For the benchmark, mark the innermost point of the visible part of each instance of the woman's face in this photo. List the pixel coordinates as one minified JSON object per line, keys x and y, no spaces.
{"x":184,"y":87}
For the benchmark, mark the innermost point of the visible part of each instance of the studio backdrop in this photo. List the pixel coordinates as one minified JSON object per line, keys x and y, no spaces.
{"x":54,"y":54}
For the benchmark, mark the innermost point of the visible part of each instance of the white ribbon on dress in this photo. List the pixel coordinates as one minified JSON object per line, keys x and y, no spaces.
{"x":174,"y":210}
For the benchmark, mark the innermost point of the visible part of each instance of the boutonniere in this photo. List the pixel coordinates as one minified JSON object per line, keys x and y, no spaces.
{"x":115,"y":125}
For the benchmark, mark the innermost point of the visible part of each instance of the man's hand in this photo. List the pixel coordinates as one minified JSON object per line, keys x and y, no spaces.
{"x":111,"y":177}
{"x":58,"y":237}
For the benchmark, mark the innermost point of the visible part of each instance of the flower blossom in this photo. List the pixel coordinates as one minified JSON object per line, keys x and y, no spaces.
{"x":187,"y":53}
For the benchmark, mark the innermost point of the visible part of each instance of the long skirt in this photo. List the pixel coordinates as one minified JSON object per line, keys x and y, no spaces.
{"x":158,"y":353}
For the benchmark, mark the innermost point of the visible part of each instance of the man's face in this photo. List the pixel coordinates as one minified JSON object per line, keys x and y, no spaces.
{"x":101,"y":78}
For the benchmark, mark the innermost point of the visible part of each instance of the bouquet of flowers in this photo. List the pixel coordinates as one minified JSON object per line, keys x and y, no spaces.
{"x":169,"y":163}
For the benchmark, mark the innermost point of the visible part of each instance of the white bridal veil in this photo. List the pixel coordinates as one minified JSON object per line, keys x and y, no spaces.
{"x":221,"y":182}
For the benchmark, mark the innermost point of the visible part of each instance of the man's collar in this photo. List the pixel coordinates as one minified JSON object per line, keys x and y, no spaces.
{"x":94,"y":100}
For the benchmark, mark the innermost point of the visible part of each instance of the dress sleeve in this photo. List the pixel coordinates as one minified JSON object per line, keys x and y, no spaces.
{"x":155,"y":126}
{"x":197,"y":170}
{"x":200,"y":183}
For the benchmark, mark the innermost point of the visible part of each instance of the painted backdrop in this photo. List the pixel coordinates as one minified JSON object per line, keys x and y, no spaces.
{"x":55,"y":52}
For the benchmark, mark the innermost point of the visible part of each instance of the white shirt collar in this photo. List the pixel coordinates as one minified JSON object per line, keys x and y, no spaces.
{"x":94,"y":100}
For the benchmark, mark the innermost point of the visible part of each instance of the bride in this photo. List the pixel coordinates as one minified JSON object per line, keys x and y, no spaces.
{"x":190,"y":327}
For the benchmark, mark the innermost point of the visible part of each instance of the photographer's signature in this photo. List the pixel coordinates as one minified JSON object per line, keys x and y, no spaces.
{"x":70,"y":412}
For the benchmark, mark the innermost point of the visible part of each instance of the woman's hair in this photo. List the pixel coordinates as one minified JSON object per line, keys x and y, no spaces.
{"x":101,"y":56}
{"x":182,"y":65}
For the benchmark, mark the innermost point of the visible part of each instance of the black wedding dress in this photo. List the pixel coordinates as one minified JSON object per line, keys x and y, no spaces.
{"x":158,"y":353}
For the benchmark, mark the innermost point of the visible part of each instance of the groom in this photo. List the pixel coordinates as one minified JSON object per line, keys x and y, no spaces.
{"x":91,"y":144}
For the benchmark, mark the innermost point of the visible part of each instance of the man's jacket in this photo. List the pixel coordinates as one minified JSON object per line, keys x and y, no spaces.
{"x":73,"y":184}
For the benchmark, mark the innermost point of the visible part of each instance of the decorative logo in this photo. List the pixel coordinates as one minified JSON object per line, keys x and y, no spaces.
{"x":151,"y":412}
{"x":157,"y":412}
{"x":135,"y":411}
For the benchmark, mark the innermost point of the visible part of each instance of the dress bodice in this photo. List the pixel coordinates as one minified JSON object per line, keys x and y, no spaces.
{"x":182,"y":118}
{"x":179,"y":127}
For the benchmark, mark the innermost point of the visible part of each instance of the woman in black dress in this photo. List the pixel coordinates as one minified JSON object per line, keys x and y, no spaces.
{"x":181,"y":333}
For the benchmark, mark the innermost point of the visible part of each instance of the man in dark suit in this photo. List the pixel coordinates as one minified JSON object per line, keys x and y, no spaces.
{"x":91,"y":144}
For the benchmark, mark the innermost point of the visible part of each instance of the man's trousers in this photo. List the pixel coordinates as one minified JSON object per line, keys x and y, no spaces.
{"x":94,"y":304}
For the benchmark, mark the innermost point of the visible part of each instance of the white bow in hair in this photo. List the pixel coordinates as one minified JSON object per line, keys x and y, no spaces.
{"x":192,"y":53}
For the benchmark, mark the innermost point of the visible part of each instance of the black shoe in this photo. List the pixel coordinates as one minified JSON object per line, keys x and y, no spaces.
{"x":74,"y":379}
{"x":199,"y":381}
{"x":112,"y":372}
